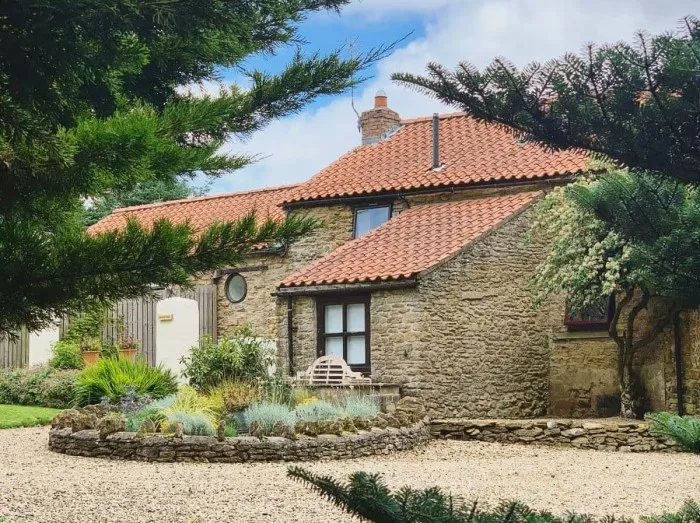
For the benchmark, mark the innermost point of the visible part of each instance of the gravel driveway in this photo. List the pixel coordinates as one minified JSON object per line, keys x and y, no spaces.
{"x":38,"y":485}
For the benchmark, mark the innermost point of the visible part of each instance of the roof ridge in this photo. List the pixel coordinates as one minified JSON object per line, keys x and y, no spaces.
{"x":205,"y":197}
{"x":444,"y":116}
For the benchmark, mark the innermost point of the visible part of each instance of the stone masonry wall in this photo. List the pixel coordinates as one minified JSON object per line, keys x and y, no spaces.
{"x":472,"y":344}
{"x":241,"y":449}
{"x":260,"y":309}
{"x":608,"y":434}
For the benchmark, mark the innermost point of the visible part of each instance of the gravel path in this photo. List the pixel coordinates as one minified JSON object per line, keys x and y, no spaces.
{"x":39,"y":486}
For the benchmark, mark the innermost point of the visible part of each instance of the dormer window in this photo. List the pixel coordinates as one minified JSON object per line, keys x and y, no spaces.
{"x":368,"y":218}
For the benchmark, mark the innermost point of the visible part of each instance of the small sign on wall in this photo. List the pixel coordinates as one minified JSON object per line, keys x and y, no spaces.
{"x":165,"y":317}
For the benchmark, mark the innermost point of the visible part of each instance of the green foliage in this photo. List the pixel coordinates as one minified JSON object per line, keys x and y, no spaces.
{"x":188,"y":400}
{"x":276,"y":389}
{"x":268,"y":414}
{"x":238,"y":356}
{"x":360,"y":405}
{"x":150,"y":191}
{"x":112,"y":378}
{"x":12,"y":416}
{"x":635,"y":235}
{"x":367,"y":497}
{"x":685,"y":430}
{"x":231,"y":429}
{"x":635,"y":103}
{"x":106,"y":113}
{"x":66,"y":355}
{"x":235,"y":395}
{"x":194,"y":424}
{"x":133,"y":420}
{"x":318,"y":411}
{"x":38,"y":386}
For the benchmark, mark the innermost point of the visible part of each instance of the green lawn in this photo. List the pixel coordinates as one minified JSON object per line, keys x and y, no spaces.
{"x":12,"y":416}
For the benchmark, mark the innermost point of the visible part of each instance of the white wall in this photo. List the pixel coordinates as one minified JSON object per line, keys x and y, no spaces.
{"x":177,"y":330}
{"x":40,"y":343}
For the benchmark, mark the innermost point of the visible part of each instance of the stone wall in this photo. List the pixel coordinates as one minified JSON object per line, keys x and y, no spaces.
{"x":467,"y":340}
{"x":606,"y":434}
{"x":260,"y":308}
{"x":242,"y":449}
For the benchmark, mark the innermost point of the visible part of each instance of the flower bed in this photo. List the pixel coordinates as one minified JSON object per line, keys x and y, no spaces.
{"x":88,"y":432}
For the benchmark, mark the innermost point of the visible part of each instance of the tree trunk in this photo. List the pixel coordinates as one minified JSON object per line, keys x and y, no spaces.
{"x":630,"y":400}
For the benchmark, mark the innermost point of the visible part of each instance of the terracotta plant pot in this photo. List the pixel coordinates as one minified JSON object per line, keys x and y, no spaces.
{"x":90,"y":357}
{"x":129,"y":354}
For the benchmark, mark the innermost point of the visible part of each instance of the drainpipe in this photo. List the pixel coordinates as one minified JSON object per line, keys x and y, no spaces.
{"x":290,"y":336}
{"x":679,"y":360}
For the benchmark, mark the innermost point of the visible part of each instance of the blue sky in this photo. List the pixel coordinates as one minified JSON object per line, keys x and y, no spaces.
{"x":446,"y":31}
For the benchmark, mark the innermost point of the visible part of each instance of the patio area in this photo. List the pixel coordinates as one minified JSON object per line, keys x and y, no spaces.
{"x":37,"y":485}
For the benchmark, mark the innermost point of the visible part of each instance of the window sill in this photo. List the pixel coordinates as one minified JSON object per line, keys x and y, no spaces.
{"x":581,"y":335}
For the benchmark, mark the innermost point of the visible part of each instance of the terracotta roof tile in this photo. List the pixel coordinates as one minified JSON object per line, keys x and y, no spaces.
{"x":201,"y":212}
{"x":472,"y":152}
{"x":414,"y":241}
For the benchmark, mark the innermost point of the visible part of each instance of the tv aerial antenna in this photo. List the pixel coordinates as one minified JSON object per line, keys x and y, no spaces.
{"x":351,"y":48}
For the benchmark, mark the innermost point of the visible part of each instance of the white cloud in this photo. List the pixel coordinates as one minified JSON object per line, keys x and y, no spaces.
{"x":455,"y":30}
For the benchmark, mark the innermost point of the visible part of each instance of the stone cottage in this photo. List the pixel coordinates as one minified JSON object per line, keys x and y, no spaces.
{"x":418,"y":275}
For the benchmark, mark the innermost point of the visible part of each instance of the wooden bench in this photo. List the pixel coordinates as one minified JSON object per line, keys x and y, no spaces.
{"x":330,"y":370}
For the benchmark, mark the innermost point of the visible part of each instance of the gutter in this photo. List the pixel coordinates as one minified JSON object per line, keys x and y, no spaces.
{"x":345,"y":288}
{"x":389,"y":195}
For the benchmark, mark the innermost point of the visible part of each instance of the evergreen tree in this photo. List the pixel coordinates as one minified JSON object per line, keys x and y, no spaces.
{"x":367,"y":497}
{"x":151,"y":191}
{"x":638,"y":103}
{"x":633,"y":236}
{"x":90,"y":105}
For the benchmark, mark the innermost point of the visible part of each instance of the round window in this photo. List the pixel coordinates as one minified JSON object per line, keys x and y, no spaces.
{"x":236,"y":288}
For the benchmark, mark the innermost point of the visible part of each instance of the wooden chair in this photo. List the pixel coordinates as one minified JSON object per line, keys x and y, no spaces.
{"x":330,"y":370}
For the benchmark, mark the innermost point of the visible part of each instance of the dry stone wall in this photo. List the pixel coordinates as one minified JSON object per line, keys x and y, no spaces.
{"x":242,"y":449}
{"x":606,"y":434}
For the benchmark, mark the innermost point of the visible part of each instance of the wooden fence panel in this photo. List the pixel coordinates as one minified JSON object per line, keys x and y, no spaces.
{"x":14,"y":350}
{"x":135,"y":319}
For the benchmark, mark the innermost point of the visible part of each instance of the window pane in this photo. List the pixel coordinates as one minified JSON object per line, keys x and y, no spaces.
{"x":356,"y":317}
{"x":356,"y":350}
{"x":334,"y":346}
{"x":368,"y":219}
{"x":334,"y":318}
{"x":236,"y":288}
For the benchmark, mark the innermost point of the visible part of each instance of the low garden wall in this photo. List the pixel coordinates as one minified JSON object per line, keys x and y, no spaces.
{"x":242,"y":449}
{"x":604,"y":434}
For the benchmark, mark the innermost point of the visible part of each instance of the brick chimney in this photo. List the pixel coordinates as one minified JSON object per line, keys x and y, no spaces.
{"x":376,"y":123}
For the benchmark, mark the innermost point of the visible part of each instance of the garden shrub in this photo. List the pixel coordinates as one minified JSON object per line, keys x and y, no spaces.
{"x":275,"y":389}
{"x":38,"y":385}
{"x":130,"y":402}
{"x":194,"y":424}
{"x":66,"y":355}
{"x":235,"y":395}
{"x":318,"y":411}
{"x":189,"y":401}
{"x":238,"y":356}
{"x":360,"y":405}
{"x":268,"y":414}
{"x":685,"y":430}
{"x":133,"y":420}
{"x":303,"y":395}
{"x":114,"y":377}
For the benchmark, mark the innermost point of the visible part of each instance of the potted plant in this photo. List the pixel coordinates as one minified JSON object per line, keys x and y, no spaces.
{"x":128,"y":349}
{"x":90,"y":349}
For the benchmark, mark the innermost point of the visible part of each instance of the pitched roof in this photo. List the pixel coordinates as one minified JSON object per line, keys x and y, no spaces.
{"x":201,"y":212}
{"x":472,"y":152}
{"x":414,"y":241}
